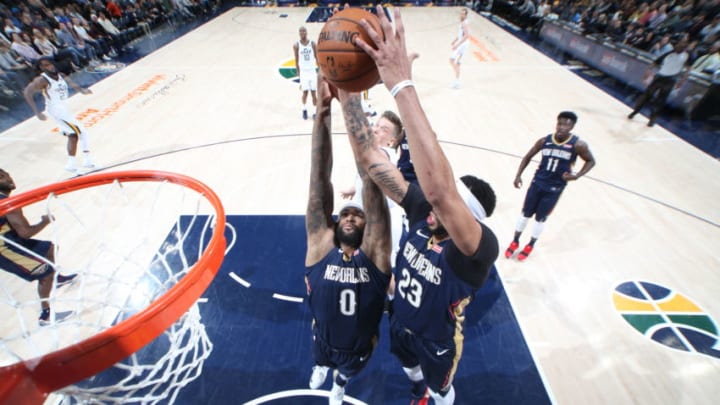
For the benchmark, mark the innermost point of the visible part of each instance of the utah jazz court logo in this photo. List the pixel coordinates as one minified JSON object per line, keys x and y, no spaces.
{"x":667,"y":317}
{"x":287,"y":70}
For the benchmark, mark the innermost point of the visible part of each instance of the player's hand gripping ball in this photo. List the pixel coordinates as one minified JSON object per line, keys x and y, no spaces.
{"x":344,"y":64}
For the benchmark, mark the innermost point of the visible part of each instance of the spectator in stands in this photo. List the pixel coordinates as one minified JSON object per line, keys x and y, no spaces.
{"x":711,"y":29}
{"x":672,"y":71}
{"x":710,"y":62}
{"x":48,"y":48}
{"x":113,"y":9}
{"x":183,"y":7}
{"x":635,"y":37}
{"x":597,"y":25}
{"x":23,"y":47}
{"x":66,"y":39}
{"x":101,"y":46}
{"x":662,"y":46}
{"x":616,"y":31}
{"x":659,"y":17}
{"x":10,"y":28}
{"x":107,"y":29}
{"x":15,"y":73}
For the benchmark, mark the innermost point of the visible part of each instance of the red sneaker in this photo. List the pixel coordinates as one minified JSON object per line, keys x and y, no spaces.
{"x":421,"y":401}
{"x":525,"y":253}
{"x":511,"y":249}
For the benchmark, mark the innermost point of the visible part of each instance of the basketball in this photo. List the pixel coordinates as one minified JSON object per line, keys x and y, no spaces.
{"x":344,"y":64}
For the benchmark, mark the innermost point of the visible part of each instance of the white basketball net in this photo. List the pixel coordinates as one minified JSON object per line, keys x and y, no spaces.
{"x":129,"y":243}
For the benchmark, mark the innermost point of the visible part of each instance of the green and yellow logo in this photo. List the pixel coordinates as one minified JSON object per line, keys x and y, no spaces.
{"x":667,"y":317}
{"x":287,"y":70}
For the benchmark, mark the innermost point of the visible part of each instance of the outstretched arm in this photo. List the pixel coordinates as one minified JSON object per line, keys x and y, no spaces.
{"x":319,"y":223}
{"x":75,"y":86}
{"x":526,"y":160}
{"x":378,"y":175}
{"x":431,"y":165}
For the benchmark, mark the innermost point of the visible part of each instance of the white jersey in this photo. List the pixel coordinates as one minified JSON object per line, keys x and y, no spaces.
{"x":463,"y":46}
{"x":306,"y":57}
{"x":55,"y":93}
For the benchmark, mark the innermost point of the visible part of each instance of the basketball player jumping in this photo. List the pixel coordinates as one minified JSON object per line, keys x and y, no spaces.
{"x":460,"y":45}
{"x":448,"y":252}
{"x":559,"y":152}
{"x":305,"y":61}
{"x":19,"y":254}
{"x":347,"y":265}
{"x":54,"y":87}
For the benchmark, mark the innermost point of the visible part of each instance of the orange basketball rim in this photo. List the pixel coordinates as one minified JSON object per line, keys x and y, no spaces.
{"x":31,"y":380}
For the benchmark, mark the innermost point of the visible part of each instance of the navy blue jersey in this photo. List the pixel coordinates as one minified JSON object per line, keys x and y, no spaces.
{"x":405,"y":164}
{"x":346,"y":300}
{"x":22,"y":261}
{"x":434,"y":283}
{"x":557,"y":158}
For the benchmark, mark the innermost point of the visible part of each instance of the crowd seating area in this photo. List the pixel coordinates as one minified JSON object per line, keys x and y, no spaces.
{"x":647,"y":27}
{"x":79,"y":33}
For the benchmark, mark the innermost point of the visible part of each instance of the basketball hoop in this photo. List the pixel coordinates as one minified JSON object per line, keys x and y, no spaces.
{"x":136,"y":282}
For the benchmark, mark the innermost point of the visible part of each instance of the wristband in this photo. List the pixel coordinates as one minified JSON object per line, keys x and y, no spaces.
{"x":396,"y":89}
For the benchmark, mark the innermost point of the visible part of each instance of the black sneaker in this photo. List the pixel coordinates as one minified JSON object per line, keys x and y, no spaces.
{"x":304,"y":114}
{"x":65,"y":280}
{"x":44,"y":319}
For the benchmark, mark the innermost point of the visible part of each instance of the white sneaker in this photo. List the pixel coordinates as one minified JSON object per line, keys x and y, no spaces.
{"x":319,"y":374}
{"x":71,"y":167}
{"x":106,"y":58}
{"x":456,"y":84}
{"x":88,"y":162}
{"x":337,"y":393}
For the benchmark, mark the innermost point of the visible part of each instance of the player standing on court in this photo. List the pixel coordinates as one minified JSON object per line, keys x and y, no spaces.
{"x":559,"y":152}
{"x":29,"y":259}
{"x":347,"y":265}
{"x":305,"y":61}
{"x":448,"y":252}
{"x":54,"y":87}
{"x":460,"y":45}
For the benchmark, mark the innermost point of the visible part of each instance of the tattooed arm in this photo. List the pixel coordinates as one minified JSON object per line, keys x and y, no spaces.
{"x":319,"y":223}
{"x":371,"y":160}
{"x":379,"y":175}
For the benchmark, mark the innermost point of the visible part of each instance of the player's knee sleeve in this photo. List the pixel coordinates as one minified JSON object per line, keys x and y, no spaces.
{"x":537,"y":229}
{"x":447,"y":398}
{"x":414,"y":374}
{"x":521,"y":223}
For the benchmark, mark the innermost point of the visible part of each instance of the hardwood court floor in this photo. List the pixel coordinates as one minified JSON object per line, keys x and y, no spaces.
{"x":213,"y":105}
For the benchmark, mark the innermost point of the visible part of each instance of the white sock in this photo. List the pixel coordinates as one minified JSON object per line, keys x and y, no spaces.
{"x":415,"y":374}
{"x":521,"y":223}
{"x":84,"y":141}
{"x":537,"y":229}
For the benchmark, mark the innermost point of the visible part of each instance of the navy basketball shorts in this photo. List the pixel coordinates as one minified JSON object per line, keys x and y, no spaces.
{"x":22,"y":263}
{"x":349,"y":364}
{"x":540,"y":201}
{"x":437,"y":360}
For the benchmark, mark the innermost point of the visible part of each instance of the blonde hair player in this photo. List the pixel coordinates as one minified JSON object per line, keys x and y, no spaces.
{"x":460,"y":45}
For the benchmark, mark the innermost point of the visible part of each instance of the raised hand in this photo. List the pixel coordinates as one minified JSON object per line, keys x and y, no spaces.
{"x":391,"y":57}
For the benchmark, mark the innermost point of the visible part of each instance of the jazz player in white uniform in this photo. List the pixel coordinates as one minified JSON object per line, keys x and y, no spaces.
{"x":54,"y":87}
{"x":460,"y":45}
{"x":305,"y":62}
